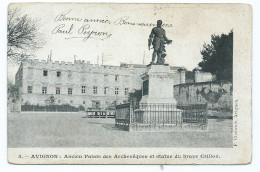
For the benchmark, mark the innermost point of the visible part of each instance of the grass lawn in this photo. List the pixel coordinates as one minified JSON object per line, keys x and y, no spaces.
{"x":73,"y":130}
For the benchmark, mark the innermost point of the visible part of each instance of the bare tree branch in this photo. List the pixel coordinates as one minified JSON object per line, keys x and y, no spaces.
{"x":23,"y":36}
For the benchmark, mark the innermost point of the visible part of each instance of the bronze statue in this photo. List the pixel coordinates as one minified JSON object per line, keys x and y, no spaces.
{"x":158,"y":39}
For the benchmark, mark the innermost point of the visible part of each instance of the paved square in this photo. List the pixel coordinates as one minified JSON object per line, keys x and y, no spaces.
{"x":74,"y":130}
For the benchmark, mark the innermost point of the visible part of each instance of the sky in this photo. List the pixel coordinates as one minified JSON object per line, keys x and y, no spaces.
{"x":117,"y":40}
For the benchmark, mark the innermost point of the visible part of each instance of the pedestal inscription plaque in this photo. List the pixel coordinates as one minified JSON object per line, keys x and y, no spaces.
{"x":145,"y":87}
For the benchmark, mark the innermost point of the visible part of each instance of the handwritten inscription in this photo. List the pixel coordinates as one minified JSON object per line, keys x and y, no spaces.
{"x":74,"y":27}
{"x":125,"y":21}
{"x":88,"y":33}
{"x":61,"y":29}
{"x":63,"y":17}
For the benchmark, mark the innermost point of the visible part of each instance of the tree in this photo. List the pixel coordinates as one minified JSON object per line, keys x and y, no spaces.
{"x":22,"y":35}
{"x":13,"y":93}
{"x":52,"y":100}
{"x":135,"y":97}
{"x":218,"y":56}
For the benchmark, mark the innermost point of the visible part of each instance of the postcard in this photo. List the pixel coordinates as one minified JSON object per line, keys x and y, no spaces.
{"x":109,"y":83}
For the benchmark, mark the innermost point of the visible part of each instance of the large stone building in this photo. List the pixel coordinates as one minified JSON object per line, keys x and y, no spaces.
{"x":80,"y":83}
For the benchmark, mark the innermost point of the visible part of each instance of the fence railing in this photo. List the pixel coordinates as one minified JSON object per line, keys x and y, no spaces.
{"x":194,"y":113}
{"x":100,"y":113}
{"x":156,"y":114}
{"x":161,"y":115}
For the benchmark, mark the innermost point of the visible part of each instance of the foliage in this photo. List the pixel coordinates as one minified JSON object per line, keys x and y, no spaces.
{"x":114,"y":103}
{"x":52,"y":100}
{"x":81,"y":108}
{"x":218,"y":56}
{"x":22,"y":35}
{"x":13,"y":93}
{"x":52,"y":108}
{"x":135,"y":97}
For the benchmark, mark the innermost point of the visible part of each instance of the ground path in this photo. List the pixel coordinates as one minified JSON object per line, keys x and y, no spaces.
{"x":74,"y":130}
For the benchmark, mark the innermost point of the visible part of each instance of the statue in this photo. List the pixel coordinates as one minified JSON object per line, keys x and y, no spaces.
{"x":158,"y":39}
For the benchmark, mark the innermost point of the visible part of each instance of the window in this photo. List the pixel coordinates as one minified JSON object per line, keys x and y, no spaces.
{"x":116,"y":91}
{"x":126,"y":91}
{"x":29,"y":89}
{"x":58,"y":73}
{"x":45,"y":73}
{"x":69,"y":73}
{"x":71,"y":102}
{"x":116,"y":77}
{"x":59,"y":101}
{"x":94,"y":90}
{"x":69,"y":90}
{"x":83,"y":102}
{"x":83,"y":89}
{"x":105,"y":90}
{"x":57,"y":90}
{"x":106,"y":77}
{"x":44,"y":90}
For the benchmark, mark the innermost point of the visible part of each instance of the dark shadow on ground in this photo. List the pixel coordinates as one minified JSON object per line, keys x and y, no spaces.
{"x":94,"y":123}
{"x":110,"y":127}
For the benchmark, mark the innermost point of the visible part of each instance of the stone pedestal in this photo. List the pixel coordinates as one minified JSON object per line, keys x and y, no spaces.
{"x":158,"y":85}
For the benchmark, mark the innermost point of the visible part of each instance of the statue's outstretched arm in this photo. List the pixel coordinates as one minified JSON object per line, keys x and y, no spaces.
{"x":165,"y":38}
{"x":168,"y":41}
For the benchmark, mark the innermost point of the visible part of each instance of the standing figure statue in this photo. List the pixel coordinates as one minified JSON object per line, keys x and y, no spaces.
{"x":158,"y":39}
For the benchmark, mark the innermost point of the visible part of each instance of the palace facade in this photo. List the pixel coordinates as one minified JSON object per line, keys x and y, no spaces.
{"x":81,"y":83}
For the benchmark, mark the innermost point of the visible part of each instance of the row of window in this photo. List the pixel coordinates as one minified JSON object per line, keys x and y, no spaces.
{"x":95,"y":104}
{"x":58,"y":74}
{"x":83,"y":90}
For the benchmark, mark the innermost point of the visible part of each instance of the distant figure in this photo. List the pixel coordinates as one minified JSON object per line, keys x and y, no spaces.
{"x":158,"y":39}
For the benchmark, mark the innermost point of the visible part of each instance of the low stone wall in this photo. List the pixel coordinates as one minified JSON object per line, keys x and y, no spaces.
{"x":217,"y":94}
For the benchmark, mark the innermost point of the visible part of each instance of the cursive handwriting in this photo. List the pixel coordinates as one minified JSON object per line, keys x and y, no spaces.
{"x":61,"y":30}
{"x":68,"y":25}
{"x":63,"y":17}
{"x":125,"y":21}
{"x":87,"y":33}
{"x":102,"y":21}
